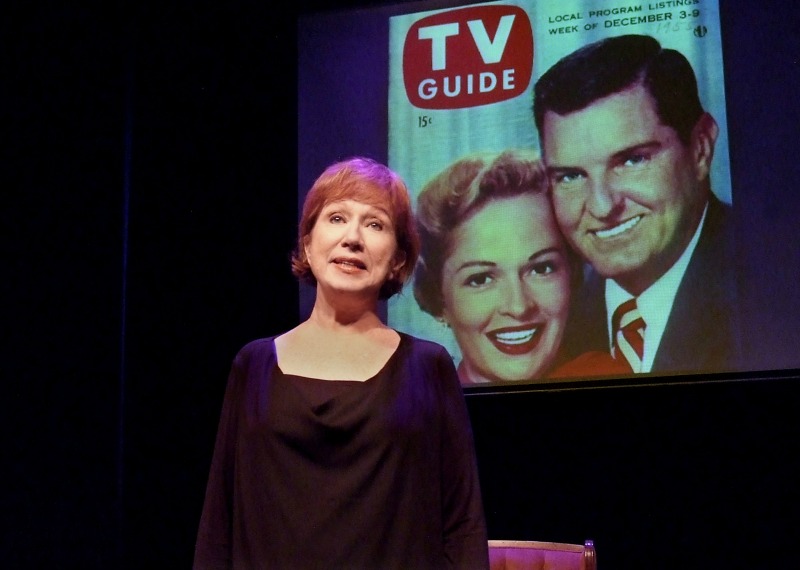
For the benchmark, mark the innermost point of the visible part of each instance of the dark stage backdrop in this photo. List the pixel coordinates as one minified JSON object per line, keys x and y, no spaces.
{"x":61,"y":220}
{"x":151,"y":185}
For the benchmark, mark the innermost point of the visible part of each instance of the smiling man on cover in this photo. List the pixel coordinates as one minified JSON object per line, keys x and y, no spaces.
{"x":628,"y":148}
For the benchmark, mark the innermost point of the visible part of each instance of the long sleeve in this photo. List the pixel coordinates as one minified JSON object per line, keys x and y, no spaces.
{"x":465,"y":539}
{"x":213,"y":550}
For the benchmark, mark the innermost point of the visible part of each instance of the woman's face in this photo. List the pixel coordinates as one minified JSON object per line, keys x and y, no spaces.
{"x":506,"y":289}
{"x":352,"y":248}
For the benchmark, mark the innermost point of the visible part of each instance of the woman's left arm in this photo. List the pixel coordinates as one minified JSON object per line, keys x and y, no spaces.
{"x":465,"y":539}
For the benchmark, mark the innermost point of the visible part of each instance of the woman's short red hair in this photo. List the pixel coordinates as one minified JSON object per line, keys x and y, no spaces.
{"x":368,"y":181}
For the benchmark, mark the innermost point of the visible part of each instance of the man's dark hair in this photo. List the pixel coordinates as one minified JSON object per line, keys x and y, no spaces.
{"x":612,"y":65}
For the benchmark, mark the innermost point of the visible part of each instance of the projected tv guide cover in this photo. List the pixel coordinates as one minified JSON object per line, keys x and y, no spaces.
{"x":498,"y":290}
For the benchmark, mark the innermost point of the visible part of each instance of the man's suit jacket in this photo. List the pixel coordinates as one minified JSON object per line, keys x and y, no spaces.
{"x":703,"y":329}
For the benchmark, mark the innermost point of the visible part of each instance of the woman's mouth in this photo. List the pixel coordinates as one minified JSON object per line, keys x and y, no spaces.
{"x":349,"y":264}
{"x":516,"y":340}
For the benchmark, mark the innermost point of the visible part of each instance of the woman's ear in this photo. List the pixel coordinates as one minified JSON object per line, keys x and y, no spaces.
{"x":444,"y":318}
{"x":399,"y":261}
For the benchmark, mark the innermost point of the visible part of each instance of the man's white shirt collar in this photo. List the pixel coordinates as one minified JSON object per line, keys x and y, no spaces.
{"x":655,"y":303}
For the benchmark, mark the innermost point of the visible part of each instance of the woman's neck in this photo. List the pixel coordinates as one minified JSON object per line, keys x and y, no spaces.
{"x":344,"y":313}
{"x":468,"y":375}
{"x":327,"y":347}
{"x":342,"y":321}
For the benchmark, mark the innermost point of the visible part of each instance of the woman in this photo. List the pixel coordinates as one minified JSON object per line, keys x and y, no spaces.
{"x":343,"y":443}
{"x":494,"y":266}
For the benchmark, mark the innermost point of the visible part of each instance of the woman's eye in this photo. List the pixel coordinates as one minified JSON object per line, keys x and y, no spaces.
{"x":336,"y":218}
{"x":478,"y":280}
{"x":544,"y":268}
{"x":376,"y":225}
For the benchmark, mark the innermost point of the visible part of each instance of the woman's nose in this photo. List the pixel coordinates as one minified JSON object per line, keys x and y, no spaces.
{"x":519,"y":300}
{"x":352,"y":238}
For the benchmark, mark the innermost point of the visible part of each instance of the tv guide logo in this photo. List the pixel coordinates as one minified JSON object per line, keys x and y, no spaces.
{"x":468,"y":57}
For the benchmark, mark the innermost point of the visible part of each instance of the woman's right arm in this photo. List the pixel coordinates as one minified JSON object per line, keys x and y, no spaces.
{"x":213,"y":550}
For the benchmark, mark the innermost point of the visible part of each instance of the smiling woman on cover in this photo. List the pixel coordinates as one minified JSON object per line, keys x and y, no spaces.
{"x":343,"y":443}
{"x":494,"y":266}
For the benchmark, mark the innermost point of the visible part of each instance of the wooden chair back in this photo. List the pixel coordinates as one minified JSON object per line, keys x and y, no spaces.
{"x":533,"y":555}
